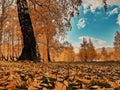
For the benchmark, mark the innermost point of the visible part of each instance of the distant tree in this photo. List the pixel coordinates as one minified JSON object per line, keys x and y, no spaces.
{"x":3,"y":16}
{"x":83,"y":53}
{"x":104,"y":54}
{"x":4,"y":5}
{"x":87,"y":51}
{"x":117,"y":46}
{"x":12,"y":27}
{"x":91,"y":51}
{"x":67,"y":54}
{"x":111,"y":55}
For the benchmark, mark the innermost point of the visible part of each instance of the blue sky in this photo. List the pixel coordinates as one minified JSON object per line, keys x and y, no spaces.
{"x":93,"y":22}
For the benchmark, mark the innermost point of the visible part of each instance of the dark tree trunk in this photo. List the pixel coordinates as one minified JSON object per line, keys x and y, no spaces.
{"x":29,"y":51}
{"x":48,"y":50}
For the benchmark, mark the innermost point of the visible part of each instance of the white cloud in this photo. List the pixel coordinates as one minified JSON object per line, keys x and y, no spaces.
{"x":81,"y":23}
{"x":118,"y":20}
{"x":98,"y":43}
{"x":114,"y":11}
{"x":92,"y":5}
{"x":113,"y":2}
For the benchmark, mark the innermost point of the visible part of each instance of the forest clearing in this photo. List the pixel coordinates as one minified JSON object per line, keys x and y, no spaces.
{"x":59,"y":76}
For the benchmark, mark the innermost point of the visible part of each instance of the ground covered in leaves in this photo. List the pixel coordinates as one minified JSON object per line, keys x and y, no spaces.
{"x":59,"y":76}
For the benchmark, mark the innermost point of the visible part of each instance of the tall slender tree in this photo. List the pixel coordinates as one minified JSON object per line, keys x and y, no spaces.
{"x":117,"y":46}
{"x":91,"y":51}
{"x":87,"y":51}
{"x":2,"y":18}
{"x":104,"y":54}
{"x":83,"y":53}
{"x":4,"y":5}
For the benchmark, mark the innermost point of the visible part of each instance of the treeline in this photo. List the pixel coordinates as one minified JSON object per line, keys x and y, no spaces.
{"x":88,"y":53}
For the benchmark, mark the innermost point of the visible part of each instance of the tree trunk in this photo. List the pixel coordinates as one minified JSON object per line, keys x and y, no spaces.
{"x":48,"y":50}
{"x":2,"y":19}
{"x":29,"y":51}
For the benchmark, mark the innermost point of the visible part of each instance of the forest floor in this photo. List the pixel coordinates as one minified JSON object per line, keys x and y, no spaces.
{"x":59,"y":76}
